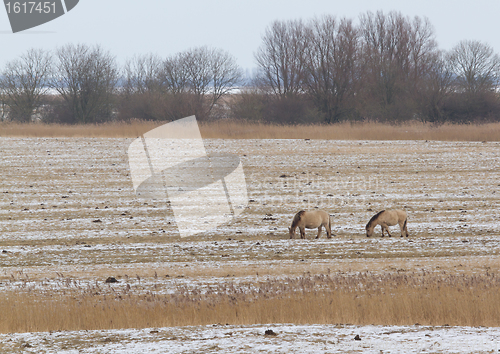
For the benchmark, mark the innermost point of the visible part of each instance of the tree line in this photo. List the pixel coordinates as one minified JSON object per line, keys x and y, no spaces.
{"x":386,"y":67}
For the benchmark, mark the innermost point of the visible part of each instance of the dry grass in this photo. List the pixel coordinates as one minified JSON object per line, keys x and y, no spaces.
{"x":348,"y":131}
{"x":229,"y":129}
{"x":362,"y":298}
{"x":108,"y":130}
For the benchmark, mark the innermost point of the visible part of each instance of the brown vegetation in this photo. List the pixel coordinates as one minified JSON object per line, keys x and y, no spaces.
{"x":230,"y":129}
{"x":362,"y":298}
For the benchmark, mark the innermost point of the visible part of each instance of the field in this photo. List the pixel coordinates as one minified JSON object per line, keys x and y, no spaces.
{"x":69,"y":220}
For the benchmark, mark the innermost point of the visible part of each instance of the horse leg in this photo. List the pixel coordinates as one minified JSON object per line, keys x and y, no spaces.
{"x":319,"y":231}
{"x":405,"y":228}
{"x":302,"y":232}
{"x":386,"y":228}
{"x":328,"y":231}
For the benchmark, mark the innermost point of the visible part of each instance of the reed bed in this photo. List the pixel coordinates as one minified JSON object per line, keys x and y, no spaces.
{"x":361,"y":299}
{"x":234,"y":129}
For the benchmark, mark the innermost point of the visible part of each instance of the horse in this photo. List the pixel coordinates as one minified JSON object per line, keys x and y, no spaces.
{"x":387,"y":218}
{"x":311,"y":220}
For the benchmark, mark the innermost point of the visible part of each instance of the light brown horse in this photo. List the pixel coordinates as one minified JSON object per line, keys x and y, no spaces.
{"x":311,"y":220}
{"x":388,"y":218}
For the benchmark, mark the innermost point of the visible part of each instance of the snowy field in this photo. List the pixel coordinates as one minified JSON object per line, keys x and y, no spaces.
{"x":252,"y":339}
{"x":69,"y":216}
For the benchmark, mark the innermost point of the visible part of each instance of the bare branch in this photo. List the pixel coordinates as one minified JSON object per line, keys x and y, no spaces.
{"x":86,"y":78}
{"x":24,"y":83}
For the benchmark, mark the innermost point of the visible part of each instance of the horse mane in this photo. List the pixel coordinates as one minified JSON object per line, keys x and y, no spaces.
{"x":297,"y":218}
{"x":374,"y":217}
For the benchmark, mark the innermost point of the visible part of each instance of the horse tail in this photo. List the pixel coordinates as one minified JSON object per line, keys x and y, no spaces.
{"x":404,"y":226}
{"x":297,"y":218}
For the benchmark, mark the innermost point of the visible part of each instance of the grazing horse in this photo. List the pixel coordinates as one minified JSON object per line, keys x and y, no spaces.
{"x":388,"y":218}
{"x":311,"y":220}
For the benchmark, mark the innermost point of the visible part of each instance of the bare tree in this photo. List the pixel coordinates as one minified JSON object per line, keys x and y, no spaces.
{"x":332,"y":66}
{"x":476,"y":67}
{"x":424,"y":54}
{"x":3,"y":106}
{"x":142,"y":95}
{"x":86,"y":79}
{"x":476,"y":79}
{"x":226,"y":75}
{"x":24,"y":83}
{"x":199,"y":78}
{"x":143,"y":74}
{"x":174,"y":75}
{"x":382,"y":50}
{"x":281,"y":58}
{"x":434,"y":88}
{"x":396,"y":52}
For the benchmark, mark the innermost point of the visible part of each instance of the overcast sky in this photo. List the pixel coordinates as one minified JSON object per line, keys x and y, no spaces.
{"x":128,"y":27}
